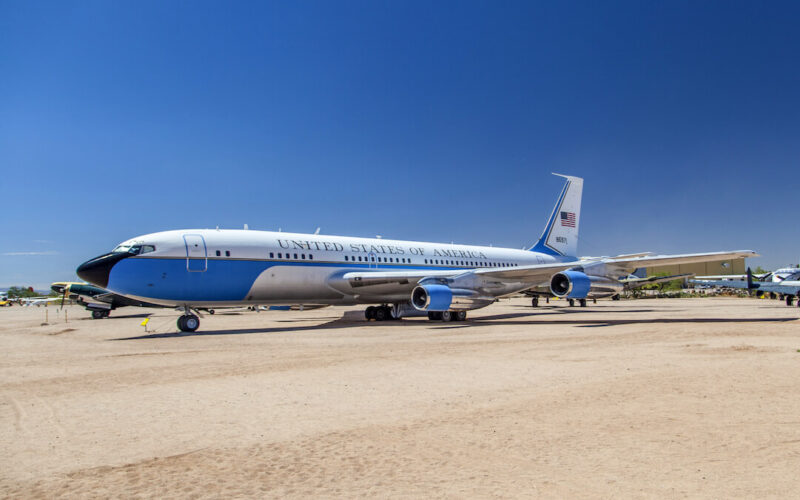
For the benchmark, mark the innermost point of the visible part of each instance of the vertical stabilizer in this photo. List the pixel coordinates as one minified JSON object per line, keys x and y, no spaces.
{"x":560,"y":236}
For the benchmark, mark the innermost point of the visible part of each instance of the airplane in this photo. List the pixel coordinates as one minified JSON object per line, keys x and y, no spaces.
{"x":196,"y":268}
{"x":95,"y":299}
{"x":775,"y":276}
{"x":789,"y":288}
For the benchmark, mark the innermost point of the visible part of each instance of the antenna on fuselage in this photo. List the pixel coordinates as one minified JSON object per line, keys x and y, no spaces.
{"x":246,"y":227}
{"x":317,"y":231}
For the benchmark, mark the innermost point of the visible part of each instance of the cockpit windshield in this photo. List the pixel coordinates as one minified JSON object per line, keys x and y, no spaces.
{"x":134,"y":249}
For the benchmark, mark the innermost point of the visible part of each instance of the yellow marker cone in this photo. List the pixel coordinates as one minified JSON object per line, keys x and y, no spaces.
{"x":146,"y":320}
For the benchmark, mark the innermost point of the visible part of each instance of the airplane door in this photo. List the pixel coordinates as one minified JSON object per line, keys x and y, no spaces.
{"x":196,"y":256}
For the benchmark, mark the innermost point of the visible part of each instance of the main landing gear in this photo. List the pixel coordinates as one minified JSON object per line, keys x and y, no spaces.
{"x":790,"y":299}
{"x":447,"y":315}
{"x":582,"y":302}
{"x":379,"y":313}
{"x":100,"y":314}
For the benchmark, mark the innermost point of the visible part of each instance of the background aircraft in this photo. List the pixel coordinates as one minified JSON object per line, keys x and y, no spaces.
{"x":191,"y":269}
{"x":789,"y":288}
{"x":775,"y":276}
{"x":97,"y":300}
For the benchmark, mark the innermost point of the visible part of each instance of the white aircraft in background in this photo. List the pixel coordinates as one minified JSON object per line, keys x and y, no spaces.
{"x":203,"y":268}
{"x":775,"y":276}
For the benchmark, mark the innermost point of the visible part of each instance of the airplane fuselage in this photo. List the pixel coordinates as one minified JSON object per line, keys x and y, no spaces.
{"x":206,"y":267}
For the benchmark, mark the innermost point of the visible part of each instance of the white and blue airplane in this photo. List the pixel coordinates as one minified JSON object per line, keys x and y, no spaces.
{"x":202,"y":268}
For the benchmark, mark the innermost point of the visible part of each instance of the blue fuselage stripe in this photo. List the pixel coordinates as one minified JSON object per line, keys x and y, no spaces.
{"x":223,"y":280}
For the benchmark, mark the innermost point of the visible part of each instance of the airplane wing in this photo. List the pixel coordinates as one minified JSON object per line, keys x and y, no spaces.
{"x":729,"y":277}
{"x":778,"y":288}
{"x":722,"y":283}
{"x":386,"y":283}
{"x":616,"y":266}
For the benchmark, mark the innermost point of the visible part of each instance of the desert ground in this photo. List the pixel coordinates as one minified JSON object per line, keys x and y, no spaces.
{"x":657,"y":398}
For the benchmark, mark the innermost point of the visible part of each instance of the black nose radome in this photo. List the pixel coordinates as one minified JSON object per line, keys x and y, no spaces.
{"x":96,"y":271}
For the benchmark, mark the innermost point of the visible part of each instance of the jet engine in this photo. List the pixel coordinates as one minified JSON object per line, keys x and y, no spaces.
{"x":578,"y":285}
{"x":436,"y":297}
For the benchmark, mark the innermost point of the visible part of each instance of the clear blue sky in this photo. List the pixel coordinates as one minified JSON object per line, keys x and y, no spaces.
{"x":436,"y":121}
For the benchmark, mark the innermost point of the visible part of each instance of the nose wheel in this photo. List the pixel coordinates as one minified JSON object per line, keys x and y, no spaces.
{"x":188,"y":323}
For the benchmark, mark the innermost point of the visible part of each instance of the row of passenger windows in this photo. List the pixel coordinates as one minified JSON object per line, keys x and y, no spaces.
{"x":301,"y":256}
{"x":392,"y":260}
{"x":472,"y":263}
{"x":396,"y":260}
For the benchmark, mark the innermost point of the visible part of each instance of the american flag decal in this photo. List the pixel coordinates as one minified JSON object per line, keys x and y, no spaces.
{"x":568,"y":219}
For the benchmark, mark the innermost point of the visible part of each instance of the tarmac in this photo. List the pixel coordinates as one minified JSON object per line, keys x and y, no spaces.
{"x":652,"y":398}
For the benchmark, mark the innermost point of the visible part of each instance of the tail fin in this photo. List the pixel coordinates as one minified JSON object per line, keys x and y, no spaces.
{"x":560,"y":236}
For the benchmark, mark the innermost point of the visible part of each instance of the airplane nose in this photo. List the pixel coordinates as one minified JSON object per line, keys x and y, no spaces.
{"x":96,"y":271}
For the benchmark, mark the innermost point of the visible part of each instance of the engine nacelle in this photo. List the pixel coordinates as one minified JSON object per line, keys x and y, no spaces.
{"x":578,"y":285}
{"x":436,"y":297}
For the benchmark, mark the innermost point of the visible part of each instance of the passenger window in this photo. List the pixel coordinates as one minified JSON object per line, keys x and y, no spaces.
{"x":295,"y":256}
{"x":310,"y":257}
{"x":345,"y":258}
{"x":227,"y":253}
{"x":219,"y":253}
{"x":303,"y":256}
{"x":359,"y":258}
{"x":271,"y":255}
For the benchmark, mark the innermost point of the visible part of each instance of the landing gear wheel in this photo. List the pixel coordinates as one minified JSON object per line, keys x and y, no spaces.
{"x":789,"y":300}
{"x":615,"y":297}
{"x":211,"y":311}
{"x":572,"y":302}
{"x":447,"y":316}
{"x":582,"y":302}
{"x":461,"y":315}
{"x":434,"y":315}
{"x":381,"y":313}
{"x":188,"y":323}
{"x":594,"y":301}
{"x":535,"y":302}
{"x":369,"y":313}
{"x":98,"y":314}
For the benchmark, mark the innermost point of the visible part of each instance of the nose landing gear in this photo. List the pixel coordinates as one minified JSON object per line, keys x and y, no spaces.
{"x":188,"y":323}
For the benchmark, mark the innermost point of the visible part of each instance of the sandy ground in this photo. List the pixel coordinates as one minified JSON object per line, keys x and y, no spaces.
{"x":667,"y":398}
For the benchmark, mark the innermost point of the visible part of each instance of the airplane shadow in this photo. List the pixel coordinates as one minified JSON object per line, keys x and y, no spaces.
{"x":335,"y":324}
{"x":500,"y":320}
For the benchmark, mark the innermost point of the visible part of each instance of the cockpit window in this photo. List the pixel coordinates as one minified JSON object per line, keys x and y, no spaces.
{"x":134,"y":249}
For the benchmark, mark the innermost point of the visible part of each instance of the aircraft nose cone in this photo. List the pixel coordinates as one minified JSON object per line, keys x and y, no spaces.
{"x":97,"y":270}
